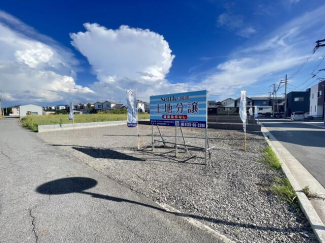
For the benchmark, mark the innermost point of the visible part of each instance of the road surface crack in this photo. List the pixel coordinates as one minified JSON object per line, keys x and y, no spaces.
{"x":33,"y":223}
{"x":5,"y":155}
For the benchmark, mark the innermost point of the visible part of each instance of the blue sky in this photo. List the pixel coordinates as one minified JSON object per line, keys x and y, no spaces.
{"x":94,"y":50}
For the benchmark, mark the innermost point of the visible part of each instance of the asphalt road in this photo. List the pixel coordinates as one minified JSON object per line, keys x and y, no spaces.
{"x":47,"y":195}
{"x":306,"y":142}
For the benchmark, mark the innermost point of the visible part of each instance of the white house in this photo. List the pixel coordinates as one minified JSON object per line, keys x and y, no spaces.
{"x":98,"y":106}
{"x":107,"y":105}
{"x":60,"y":107}
{"x":316,"y":107}
{"x":25,"y":110}
{"x":141,"y":106}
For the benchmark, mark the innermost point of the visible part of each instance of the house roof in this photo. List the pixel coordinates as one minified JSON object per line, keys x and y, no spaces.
{"x":260,"y":98}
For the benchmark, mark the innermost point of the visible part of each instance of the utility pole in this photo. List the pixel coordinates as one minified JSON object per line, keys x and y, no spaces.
{"x":285,"y":81}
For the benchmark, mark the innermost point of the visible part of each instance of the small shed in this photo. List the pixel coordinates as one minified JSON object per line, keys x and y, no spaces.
{"x":30,"y":109}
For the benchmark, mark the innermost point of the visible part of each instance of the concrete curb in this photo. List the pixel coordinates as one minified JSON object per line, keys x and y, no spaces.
{"x":58,"y":127}
{"x":198,"y":224}
{"x":306,"y":206}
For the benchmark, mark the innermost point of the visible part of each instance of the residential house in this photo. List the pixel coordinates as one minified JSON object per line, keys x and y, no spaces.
{"x":316,"y":109}
{"x":229,"y":102}
{"x":263,"y":105}
{"x":60,"y":107}
{"x":140,"y":106}
{"x":107,"y":105}
{"x":30,"y":109}
{"x":98,"y":106}
{"x":298,"y":101}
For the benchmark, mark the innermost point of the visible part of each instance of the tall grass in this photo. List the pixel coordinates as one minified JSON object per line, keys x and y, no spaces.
{"x":270,"y":158}
{"x":32,"y":122}
{"x":281,"y":186}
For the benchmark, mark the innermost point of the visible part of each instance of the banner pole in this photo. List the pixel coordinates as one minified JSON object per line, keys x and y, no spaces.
{"x":245,"y":142}
{"x":139,"y":141}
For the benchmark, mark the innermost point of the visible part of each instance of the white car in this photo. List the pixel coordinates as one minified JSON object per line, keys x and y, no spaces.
{"x":297,"y":116}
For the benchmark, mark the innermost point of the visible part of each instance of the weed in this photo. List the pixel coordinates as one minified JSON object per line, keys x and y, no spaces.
{"x":270,"y":158}
{"x":283,"y":188}
{"x":308,"y":193}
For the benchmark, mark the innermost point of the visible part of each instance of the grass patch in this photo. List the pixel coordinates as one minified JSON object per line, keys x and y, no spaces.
{"x":270,"y":158}
{"x":32,"y":122}
{"x":283,"y":188}
{"x":281,"y":185}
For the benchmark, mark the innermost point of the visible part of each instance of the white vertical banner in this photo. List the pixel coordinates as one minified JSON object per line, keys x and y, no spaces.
{"x":131,"y":100}
{"x":255,"y":112}
{"x":250,"y":111}
{"x":71,"y":111}
{"x":242,"y":109}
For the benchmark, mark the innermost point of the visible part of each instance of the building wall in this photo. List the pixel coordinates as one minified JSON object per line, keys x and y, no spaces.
{"x":298,"y":101}
{"x":261,"y":102}
{"x":107,"y":105}
{"x":228,"y":103}
{"x":34,"y":109}
{"x":140,"y":107}
{"x":98,"y":106}
{"x":314,"y":108}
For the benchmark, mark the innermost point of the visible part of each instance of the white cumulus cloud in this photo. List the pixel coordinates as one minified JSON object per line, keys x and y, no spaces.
{"x":126,"y":58}
{"x":33,"y":67}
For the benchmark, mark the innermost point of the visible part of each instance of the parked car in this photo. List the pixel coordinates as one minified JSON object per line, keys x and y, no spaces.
{"x":297,"y":116}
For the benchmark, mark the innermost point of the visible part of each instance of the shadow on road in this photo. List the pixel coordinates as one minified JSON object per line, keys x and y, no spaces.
{"x":301,"y":137}
{"x":79,"y":184}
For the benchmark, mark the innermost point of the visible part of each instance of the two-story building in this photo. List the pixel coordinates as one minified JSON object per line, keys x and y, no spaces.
{"x":316,"y":109}
{"x":298,"y":101}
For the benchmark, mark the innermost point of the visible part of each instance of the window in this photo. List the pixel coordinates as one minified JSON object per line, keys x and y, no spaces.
{"x":315,"y":108}
{"x":264,"y":102}
{"x":99,"y":106}
{"x":311,"y":108}
{"x":312,"y":95}
{"x":319,"y":93}
{"x":260,"y":109}
{"x":299,"y":99}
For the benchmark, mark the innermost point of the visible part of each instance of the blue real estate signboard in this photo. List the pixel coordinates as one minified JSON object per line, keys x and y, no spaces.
{"x":182,"y":109}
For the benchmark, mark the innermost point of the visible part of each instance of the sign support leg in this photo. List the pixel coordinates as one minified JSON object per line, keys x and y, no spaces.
{"x":152,"y":141}
{"x":206,"y":144}
{"x":175,"y":141}
{"x":163,"y":140}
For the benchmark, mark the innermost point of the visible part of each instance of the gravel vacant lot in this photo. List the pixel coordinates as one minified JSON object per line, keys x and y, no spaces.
{"x":230,"y":195}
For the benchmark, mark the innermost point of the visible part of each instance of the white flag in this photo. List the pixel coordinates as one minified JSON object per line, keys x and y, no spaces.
{"x":242,"y":109}
{"x":256,"y":112}
{"x":131,"y":100}
{"x":71,"y":111}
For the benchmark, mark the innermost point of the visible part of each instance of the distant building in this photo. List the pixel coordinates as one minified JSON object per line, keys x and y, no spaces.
{"x":229,"y":102}
{"x":25,"y":110}
{"x":61,"y":107}
{"x":14,"y":111}
{"x":141,"y":106}
{"x":298,"y":101}
{"x":317,"y":100}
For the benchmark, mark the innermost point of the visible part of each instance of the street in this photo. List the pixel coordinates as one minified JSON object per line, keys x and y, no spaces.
{"x":306,"y":142}
{"x":47,"y":195}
